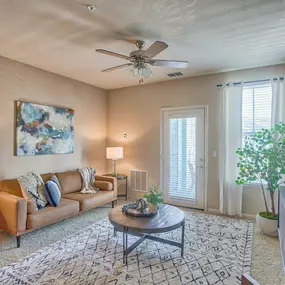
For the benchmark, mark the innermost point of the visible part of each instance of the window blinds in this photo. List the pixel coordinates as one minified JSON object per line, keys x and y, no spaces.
{"x":256,"y":108}
{"x":182,"y":158}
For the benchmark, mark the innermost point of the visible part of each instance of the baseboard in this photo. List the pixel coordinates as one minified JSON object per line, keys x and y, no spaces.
{"x":213,"y":211}
{"x":249,"y":216}
{"x":217,"y":212}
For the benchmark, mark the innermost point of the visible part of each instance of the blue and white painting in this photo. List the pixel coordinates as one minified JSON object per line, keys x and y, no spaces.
{"x":44,"y":129}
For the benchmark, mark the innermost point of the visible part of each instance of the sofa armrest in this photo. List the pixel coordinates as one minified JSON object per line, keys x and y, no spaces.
{"x":13,"y":213}
{"x":113,"y":180}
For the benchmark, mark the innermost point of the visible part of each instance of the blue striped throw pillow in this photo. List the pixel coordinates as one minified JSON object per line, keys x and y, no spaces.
{"x":52,"y":191}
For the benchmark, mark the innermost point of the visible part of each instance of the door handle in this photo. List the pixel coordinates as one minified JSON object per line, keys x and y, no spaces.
{"x":201,"y":161}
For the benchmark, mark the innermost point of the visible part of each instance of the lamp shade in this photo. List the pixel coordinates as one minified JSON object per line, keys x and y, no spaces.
{"x":114,"y":153}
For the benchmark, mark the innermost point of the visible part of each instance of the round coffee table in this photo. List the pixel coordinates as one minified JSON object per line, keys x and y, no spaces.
{"x":168,"y":219}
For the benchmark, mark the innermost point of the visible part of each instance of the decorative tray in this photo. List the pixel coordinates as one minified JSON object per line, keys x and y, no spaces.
{"x":132,"y":211}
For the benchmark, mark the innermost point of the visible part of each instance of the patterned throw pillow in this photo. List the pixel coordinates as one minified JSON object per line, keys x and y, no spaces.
{"x":32,"y":186}
{"x":52,"y":191}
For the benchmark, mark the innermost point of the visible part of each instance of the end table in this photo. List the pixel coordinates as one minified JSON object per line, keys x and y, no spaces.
{"x":120,"y":177}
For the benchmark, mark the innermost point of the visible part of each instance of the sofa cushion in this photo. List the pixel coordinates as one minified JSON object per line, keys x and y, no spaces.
{"x":49,"y":214}
{"x":47,"y":176}
{"x":31,"y":207}
{"x":13,"y":187}
{"x":104,"y":185}
{"x":89,"y":201}
{"x":52,"y":191}
{"x":69,"y":181}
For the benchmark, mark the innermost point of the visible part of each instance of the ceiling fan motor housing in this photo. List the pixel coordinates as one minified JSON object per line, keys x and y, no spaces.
{"x":137,"y":53}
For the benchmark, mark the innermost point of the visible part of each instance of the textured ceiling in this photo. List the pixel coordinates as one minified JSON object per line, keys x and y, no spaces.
{"x":213,"y":35}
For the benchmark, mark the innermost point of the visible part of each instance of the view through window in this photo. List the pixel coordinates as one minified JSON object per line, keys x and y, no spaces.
{"x":256,"y":108}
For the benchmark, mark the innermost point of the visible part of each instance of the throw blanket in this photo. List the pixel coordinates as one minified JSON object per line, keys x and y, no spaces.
{"x":88,"y":177}
{"x":32,"y":186}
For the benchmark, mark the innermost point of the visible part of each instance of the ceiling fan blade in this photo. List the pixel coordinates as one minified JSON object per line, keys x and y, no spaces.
{"x":117,"y":67}
{"x":156,"y":48}
{"x":169,"y":63}
{"x":112,"y":53}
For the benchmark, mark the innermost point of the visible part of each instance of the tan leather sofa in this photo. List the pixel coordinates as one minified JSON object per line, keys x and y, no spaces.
{"x":19,"y":216}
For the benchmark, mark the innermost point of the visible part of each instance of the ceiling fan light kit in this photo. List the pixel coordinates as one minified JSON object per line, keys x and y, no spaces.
{"x":141,"y":60}
{"x":141,"y":70}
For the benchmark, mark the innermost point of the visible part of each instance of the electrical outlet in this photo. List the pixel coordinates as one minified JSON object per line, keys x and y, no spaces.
{"x":125,"y":137}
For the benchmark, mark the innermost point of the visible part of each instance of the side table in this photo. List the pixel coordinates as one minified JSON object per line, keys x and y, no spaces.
{"x":121,"y":177}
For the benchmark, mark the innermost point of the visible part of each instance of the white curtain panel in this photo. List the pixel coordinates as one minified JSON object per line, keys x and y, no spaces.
{"x":278,"y":101}
{"x":230,"y":192}
{"x":278,"y":104}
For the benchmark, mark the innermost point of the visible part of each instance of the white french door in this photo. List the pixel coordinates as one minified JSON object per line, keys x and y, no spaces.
{"x":183,"y":156}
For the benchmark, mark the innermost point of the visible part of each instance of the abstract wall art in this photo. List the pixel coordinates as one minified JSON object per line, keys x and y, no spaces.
{"x":43,"y":129}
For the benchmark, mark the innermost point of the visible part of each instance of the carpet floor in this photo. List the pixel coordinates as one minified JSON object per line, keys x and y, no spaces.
{"x":266,"y":259}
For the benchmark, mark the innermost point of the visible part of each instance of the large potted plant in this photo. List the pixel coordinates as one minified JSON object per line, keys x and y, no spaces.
{"x":262,"y":160}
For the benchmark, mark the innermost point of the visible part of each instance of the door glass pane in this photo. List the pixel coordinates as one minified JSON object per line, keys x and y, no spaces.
{"x":182,"y":158}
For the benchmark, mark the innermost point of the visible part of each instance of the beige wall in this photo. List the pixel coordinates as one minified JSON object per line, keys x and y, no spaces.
{"x":23,"y":82}
{"x":136,"y":111}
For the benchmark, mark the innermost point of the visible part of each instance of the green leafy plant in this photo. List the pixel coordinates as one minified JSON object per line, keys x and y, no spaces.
{"x":262,"y":159}
{"x":155,"y":196}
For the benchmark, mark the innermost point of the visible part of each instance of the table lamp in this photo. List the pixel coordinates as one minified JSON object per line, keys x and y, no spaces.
{"x":114,"y":153}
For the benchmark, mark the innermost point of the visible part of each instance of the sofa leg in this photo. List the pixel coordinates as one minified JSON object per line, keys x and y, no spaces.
{"x":18,"y":241}
{"x":114,"y":203}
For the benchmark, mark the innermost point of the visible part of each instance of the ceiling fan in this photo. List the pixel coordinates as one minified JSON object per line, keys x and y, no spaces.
{"x":140,"y":59}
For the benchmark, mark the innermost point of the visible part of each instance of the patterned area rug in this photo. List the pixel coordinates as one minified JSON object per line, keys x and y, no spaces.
{"x":217,"y":251}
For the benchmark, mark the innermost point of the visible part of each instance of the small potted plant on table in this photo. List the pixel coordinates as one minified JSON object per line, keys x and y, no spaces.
{"x":262,"y":160}
{"x":154,"y":198}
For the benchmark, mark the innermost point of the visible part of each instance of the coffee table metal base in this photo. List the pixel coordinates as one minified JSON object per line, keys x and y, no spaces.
{"x":127,"y":250}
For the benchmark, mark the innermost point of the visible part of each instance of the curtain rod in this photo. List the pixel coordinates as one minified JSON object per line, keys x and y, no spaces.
{"x":253,"y":81}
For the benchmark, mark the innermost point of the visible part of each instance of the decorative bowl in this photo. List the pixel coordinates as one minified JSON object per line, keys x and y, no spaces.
{"x":130,"y":210}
